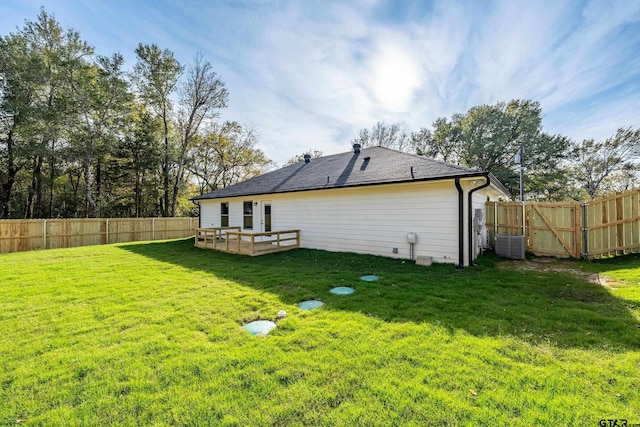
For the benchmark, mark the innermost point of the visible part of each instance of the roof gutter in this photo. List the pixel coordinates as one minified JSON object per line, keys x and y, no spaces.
{"x":470,"y":218}
{"x":460,"y":224}
{"x":324,"y":187}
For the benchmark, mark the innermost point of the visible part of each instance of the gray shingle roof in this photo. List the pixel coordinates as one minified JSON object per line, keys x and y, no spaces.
{"x":375,"y":165}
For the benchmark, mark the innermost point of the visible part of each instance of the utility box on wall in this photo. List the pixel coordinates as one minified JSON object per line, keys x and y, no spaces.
{"x":412,"y":237}
{"x":508,"y":246}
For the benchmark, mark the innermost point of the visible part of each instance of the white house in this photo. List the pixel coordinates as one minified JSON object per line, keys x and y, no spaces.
{"x":365,"y":201}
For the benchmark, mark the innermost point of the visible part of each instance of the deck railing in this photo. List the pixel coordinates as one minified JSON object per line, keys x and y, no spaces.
{"x":231,"y":239}
{"x":213,"y":238}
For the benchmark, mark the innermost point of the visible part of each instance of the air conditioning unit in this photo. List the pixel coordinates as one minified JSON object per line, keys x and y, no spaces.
{"x":510,"y":246}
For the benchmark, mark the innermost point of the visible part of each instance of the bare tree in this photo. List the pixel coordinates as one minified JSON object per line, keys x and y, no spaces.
{"x":226,"y":154}
{"x":395,"y":135}
{"x":599,"y":162}
{"x":201,"y":97}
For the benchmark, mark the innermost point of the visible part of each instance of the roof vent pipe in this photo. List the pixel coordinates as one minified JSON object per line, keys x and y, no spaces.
{"x":356,"y":148}
{"x":307,"y":158}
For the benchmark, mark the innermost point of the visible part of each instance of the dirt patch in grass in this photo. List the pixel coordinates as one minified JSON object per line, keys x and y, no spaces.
{"x":546,"y":264}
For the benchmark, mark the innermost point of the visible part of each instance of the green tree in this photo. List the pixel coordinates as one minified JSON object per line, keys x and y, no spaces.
{"x":72,"y":143}
{"x":440,"y":142}
{"x":156,"y":76}
{"x":488,"y":136}
{"x":141,"y":155}
{"x":101,"y":96}
{"x":131,"y":168}
{"x":18,"y":101}
{"x":35,"y":102}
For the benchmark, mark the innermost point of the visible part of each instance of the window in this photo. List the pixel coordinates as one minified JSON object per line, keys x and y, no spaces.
{"x":224,"y":214}
{"x":248,"y":215}
{"x":267,"y":217}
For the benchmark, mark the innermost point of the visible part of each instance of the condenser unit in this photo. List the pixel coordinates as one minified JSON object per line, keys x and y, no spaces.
{"x":510,"y":246}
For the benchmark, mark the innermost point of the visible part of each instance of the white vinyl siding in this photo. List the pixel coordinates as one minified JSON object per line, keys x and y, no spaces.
{"x":374,"y":220}
{"x":371,"y":219}
{"x":210,"y":214}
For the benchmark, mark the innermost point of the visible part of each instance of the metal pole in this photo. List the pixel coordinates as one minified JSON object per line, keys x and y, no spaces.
{"x":522,"y":173}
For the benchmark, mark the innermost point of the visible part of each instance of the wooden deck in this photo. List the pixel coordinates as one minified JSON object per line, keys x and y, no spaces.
{"x":232,"y":240}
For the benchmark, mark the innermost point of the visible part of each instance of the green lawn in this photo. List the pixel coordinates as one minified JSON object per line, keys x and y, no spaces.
{"x":150,"y":334}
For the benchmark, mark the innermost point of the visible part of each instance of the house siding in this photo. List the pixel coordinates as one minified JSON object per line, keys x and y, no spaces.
{"x":372,"y":219}
{"x":210,"y":214}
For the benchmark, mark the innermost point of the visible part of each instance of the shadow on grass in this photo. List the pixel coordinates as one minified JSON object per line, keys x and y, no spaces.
{"x":539,"y":307}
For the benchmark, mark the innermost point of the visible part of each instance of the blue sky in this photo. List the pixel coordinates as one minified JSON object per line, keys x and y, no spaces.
{"x":309,"y":74}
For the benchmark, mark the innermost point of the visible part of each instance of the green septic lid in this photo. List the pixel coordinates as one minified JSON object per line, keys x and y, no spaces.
{"x":310,"y":305}
{"x":370,"y":278}
{"x":342,"y":290}
{"x":259,"y":327}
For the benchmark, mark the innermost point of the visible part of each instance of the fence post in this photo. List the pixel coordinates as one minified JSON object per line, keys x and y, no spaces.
{"x":107,"y":231}
{"x":190,"y":226}
{"x":495,"y":224}
{"x":585,"y":231}
{"x":44,"y":226}
{"x":153,"y":229}
{"x":524,"y":219}
{"x":577,"y":227}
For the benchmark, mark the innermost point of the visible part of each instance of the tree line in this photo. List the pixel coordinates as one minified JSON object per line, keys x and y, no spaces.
{"x":82,"y":137}
{"x":488,"y":137}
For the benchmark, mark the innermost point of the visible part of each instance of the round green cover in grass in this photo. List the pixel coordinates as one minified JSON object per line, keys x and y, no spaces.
{"x":370,"y":278}
{"x":259,"y":327}
{"x":342,"y":290}
{"x":309,"y":305}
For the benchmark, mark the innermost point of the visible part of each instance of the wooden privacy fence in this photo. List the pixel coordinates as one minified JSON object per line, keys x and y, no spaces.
{"x":32,"y":234}
{"x":601,"y":227}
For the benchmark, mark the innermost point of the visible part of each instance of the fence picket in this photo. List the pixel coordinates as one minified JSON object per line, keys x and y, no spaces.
{"x":24,"y":235}
{"x":601,"y":227}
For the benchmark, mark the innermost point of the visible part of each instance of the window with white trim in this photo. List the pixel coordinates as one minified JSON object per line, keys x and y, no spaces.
{"x":247,"y":210}
{"x":224,"y":214}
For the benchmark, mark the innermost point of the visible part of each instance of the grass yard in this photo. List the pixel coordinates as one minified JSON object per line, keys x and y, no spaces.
{"x":150,"y":334}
